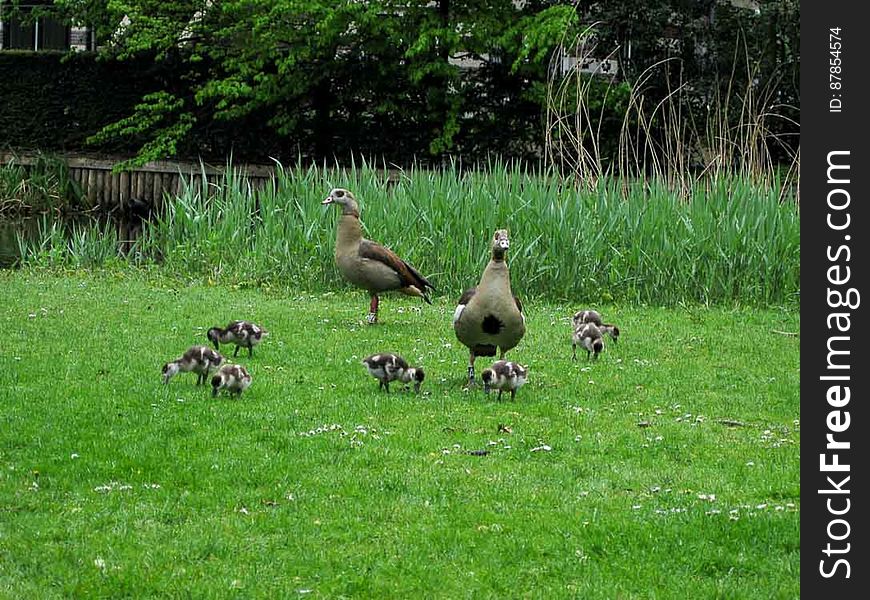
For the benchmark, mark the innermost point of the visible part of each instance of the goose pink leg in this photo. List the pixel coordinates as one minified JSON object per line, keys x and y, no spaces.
{"x":372,"y":317}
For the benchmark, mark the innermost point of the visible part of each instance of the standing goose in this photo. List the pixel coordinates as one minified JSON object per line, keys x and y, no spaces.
{"x":489,"y":316}
{"x":369,"y":265}
{"x":593,"y":316}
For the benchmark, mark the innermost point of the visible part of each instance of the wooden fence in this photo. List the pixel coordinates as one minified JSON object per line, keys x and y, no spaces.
{"x":146,"y":184}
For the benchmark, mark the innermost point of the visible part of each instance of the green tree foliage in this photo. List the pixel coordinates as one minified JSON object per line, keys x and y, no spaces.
{"x":724,"y":55}
{"x":329,"y":69}
{"x":391,"y":78}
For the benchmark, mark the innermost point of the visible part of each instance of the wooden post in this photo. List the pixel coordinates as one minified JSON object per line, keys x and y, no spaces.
{"x":157,"y":190}
{"x":124,"y":189}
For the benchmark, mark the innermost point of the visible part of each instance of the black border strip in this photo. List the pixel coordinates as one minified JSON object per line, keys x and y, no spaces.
{"x":834,"y":220}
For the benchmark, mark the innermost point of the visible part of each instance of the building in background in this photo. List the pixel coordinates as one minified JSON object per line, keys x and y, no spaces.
{"x":22,"y":32}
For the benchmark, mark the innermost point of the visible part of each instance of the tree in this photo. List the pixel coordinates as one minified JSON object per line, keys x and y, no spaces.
{"x":328,"y":70}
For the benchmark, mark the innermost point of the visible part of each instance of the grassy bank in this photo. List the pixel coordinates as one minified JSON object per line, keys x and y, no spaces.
{"x":668,"y":469}
{"x":727,"y":241}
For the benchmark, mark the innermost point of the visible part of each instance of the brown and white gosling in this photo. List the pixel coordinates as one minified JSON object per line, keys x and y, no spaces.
{"x":243,"y":334}
{"x":504,"y":376}
{"x":593,"y":316}
{"x":387,"y":367}
{"x":233,"y":378}
{"x":199,"y":359}
{"x":589,"y":336}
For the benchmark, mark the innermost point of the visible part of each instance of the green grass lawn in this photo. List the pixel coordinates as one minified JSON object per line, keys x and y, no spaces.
{"x":667,"y":469}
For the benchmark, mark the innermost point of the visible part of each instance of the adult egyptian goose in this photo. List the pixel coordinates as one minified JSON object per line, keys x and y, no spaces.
{"x":490,"y":316}
{"x":504,"y":376}
{"x":243,"y":334}
{"x":199,"y":359}
{"x":593,"y":316}
{"x":589,"y":336}
{"x":233,"y":378}
{"x":369,"y":265}
{"x":387,"y":367}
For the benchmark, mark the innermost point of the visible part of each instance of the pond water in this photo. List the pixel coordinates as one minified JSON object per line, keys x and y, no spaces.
{"x":9,"y":232}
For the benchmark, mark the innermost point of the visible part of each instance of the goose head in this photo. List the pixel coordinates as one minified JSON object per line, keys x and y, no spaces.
{"x":345,"y":199}
{"x":488,"y":377}
{"x":214,"y":335}
{"x":170,"y":369}
{"x":500,"y":244}
{"x":416,"y":375}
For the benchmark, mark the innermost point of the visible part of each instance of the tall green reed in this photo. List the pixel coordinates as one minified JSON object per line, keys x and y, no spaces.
{"x":637,"y":241}
{"x":731,"y":240}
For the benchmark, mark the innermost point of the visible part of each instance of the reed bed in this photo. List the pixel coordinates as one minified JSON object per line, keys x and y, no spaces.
{"x":730,"y":240}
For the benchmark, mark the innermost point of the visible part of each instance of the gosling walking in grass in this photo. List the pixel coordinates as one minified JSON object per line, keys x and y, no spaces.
{"x":387,"y":367}
{"x":243,"y":334}
{"x":198,"y":359}
{"x":593,"y":316}
{"x":233,"y":378}
{"x":589,"y":336}
{"x":504,"y":376}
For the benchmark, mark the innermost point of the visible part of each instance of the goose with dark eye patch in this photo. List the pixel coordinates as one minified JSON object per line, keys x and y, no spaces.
{"x":593,"y":316}
{"x":199,"y":359}
{"x":369,"y":265}
{"x":490,"y":317}
{"x":387,"y":367}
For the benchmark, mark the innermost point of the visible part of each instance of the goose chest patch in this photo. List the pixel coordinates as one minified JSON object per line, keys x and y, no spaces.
{"x":492,"y":325}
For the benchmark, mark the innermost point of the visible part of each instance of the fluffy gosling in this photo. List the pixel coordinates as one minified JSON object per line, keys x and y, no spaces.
{"x":593,"y":316}
{"x":243,"y":334}
{"x":199,"y":359}
{"x":387,"y":367}
{"x":589,"y":336}
{"x":504,"y":376}
{"x":233,"y":378}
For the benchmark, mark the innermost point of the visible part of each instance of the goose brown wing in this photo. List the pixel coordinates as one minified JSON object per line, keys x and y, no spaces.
{"x":466,"y":297}
{"x":408,"y":275}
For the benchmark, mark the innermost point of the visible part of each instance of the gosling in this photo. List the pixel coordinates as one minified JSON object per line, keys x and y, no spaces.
{"x":504,"y":375}
{"x":387,"y":367}
{"x":593,"y":316}
{"x":243,"y":334}
{"x":199,"y":359}
{"x":589,"y":336}
{"x":233,"y":378}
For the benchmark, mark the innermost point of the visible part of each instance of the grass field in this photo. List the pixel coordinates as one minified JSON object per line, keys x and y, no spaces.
{"x":667,"y":469}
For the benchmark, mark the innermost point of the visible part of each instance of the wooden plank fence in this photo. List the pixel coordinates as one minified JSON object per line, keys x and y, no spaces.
{"x":147,"y":184}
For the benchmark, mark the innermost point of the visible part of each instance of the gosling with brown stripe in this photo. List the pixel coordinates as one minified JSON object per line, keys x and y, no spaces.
{"x":243,"y":334}
{"x":233,"y":378}
{"x":504,"y":376}
{"x":369,"y":265}
{"x":199,"y":359}
{"x":490,"y":317}
{"x":593,"y":316}
{"x":589,"y":336}
{"x":387,"y":367}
